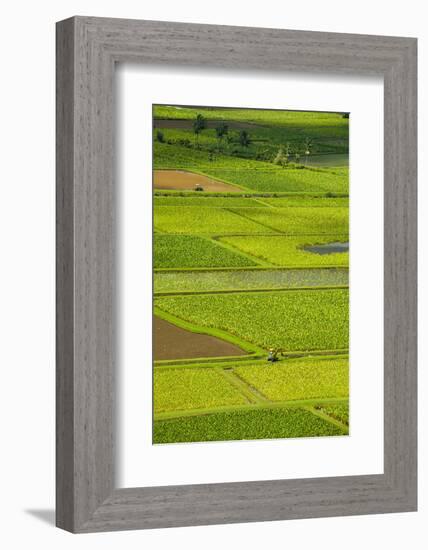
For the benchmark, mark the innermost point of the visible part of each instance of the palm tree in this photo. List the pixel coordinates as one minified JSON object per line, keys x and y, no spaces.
{"x":287,"y":152}
{"x":244,"y":138}
{"x":199,"y":124}
{"x":221,"y":131}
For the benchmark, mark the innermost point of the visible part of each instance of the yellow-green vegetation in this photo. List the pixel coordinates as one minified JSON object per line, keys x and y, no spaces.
{"x":184,"y":389}
{"x":272,"y":179}
{"x":338,"y":411}
{"x":329,"y":123}
{"x":303,"y":200}
{"x":290,"y":251}
{"x":203,"y":220}
{"x":299,"y":220}
{"x":251,"y":175}
{"x":305,"y":378}
{"x":293,"y":320}
{"x":236,"y":264}
{"x":198,"y":201}
{"x":242,"y":279}
{"x":247,"y":424}
{"x":267,"y":128}
{"x":192,"y":251}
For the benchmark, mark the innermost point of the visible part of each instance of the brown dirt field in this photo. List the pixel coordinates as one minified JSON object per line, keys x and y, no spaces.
{"x":172,"y":342}
{"x":181,"y":180}
{"x":187,"y":124}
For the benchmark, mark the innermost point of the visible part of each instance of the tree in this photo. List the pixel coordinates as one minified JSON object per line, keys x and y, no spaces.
{"x":287,"y":152}
{"x":280,"y":158}
{"x":283,"y":155}
{"x":160,"y":137}
{"x":199,"y":124}
{"x":244,"y":138}
{"x":220,"y":132}
{"x":308,"y":148}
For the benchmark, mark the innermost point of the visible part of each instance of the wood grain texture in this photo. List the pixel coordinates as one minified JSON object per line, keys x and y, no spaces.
{"x":87,"y":50}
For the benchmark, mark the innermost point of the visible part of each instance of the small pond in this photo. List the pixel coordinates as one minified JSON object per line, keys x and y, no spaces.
{"x":329,"y":248}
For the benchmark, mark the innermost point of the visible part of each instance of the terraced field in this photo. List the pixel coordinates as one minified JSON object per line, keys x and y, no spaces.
{"x":293,"y":320}
{"x":233,"y":266}
{"x":187,"y":220}
{"x":289,"y":251}
{"x":183,"y":281}
{"x":299,"y":220}
{"x":195,"y":251}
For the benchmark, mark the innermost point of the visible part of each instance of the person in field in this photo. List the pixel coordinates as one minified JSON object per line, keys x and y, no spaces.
{"x":273,"y":354}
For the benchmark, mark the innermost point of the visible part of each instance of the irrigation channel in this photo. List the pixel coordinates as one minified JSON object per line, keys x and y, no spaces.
{"x":329,"y":248}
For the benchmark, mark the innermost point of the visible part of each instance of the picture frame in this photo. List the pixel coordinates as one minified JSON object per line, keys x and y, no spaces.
{"x":87,"y":51}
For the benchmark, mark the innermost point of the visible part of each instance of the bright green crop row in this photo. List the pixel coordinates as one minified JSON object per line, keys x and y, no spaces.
{"x":238,"y":201}
{"x":184,"y":389}
{"x":338,"y":411}
{"x":298,"y":379}
{"x":281,"y":179}
{"x":293,"y":320}
{"x":190,"y":281}
{"x":289,"y":251}
{"x":300,"y":220}
{"x":248,"y":424}
{"x":235,"y":221}
{"x":308,"y":201}
{"x":209,"y":201}
{"x":204,"y":220}
{"x":192,"y":251}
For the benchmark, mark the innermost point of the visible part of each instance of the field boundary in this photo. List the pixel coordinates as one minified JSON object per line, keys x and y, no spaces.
{"x":277,"y":231}
{"x":296,"y":404}
{"x":250,"y":290}
{"x":327,"y":417}
{"x":264,"y":291}
{"x":246,"y":255}
{"x":247,"y":390}
{"x":246,"y":268}
{"x":249,"y":194}
{"x":224,"y":362}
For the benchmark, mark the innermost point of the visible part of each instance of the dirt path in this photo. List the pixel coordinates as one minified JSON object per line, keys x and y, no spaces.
{"x":172,"y":342}
{"x":181,"y":180}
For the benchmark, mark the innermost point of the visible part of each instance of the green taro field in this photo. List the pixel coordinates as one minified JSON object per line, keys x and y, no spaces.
{"x":251,"y":264}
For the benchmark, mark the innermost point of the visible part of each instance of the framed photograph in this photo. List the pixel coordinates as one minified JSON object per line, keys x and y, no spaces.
{"x":236,"y":274}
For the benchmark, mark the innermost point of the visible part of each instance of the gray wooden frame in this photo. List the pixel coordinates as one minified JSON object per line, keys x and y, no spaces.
{"x":87,"y":50}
